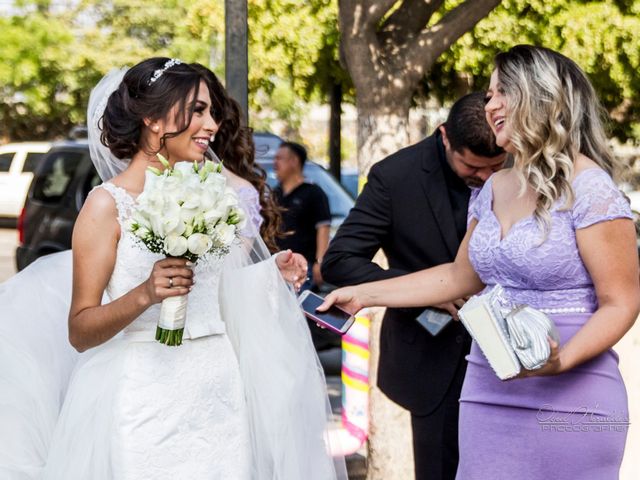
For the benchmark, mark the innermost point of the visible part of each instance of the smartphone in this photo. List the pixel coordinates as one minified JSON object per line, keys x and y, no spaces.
{"x":434,"y":320}
{"x":334,"y":319}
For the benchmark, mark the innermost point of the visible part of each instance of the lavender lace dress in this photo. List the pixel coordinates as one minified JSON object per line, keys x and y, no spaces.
{"x":570,"y":426}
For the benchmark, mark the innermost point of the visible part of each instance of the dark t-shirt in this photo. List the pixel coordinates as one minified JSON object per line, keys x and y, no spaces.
{"x":307,"y":208}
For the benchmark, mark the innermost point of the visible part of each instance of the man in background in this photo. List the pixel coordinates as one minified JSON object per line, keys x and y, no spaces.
{"x":306,"y":217}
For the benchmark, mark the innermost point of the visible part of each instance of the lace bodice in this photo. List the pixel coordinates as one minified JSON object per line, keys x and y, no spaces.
{"x":133,"y":266}
{"x":550,"y":274}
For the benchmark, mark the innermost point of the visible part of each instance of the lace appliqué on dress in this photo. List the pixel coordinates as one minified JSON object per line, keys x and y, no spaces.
{"x":550,"y":274}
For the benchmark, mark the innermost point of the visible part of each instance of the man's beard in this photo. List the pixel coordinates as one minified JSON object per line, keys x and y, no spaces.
{"x":474,"y":182}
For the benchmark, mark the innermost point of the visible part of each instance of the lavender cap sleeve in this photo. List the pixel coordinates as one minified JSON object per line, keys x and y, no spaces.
{"x":478,"y":202}
{"x":251,"y":203}
{"x":597,"y":199}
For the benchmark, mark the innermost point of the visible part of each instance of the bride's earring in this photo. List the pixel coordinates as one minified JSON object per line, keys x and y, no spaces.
{"x":155,"y":128}
{"x":212,"y":138}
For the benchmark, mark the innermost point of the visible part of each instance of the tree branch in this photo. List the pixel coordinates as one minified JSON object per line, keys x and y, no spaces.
{"x":376,"y":10}
{"x":433,"y":41}
{"x":358,"y":23}
{"x":409,"y":19}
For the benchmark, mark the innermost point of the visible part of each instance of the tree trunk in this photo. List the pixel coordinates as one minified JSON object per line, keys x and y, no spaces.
{"x":335,"y":146}
{"x":390,"y":447}
{"x":390,"y":450}
{"x":379,"y":135}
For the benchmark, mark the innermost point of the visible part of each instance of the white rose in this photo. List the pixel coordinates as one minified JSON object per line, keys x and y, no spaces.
{"x":198,"y":243}
{"x":171,"y":220}
{"x":216,"y":182}
{"x":191,"y":199}
{"x":185,"y":168}
{"x":230,"y":199}
{"x":178,"y":229}
{"x":172,"y":190}
{"x":152,"y":202}
{"x":208,"y":198}
{"x":175,"y":245}
{"x":225,"y":233}
{"x":212,"y":216}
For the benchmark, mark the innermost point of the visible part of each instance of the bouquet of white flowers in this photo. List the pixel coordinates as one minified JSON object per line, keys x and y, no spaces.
{"x":185,"y":211}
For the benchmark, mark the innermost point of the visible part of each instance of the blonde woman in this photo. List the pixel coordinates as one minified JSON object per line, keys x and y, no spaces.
{"x":557,"y":234}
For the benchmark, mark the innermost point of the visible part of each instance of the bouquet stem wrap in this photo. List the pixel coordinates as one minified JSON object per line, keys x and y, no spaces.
{"x":173,"y":314}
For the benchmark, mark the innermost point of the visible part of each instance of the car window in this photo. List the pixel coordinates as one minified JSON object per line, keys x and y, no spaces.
{"x":56,"y":175}
{"x":31,"y":162}
{"x":5,"y":161}
{"x":266,"y":145}
{"x":92,"y":180}
{"x":350,"y":182}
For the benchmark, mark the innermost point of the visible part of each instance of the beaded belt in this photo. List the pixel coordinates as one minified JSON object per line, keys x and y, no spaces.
{"x":564,"y":310}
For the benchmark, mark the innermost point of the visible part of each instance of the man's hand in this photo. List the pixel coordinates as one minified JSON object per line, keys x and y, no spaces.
{"x":452,"y":307}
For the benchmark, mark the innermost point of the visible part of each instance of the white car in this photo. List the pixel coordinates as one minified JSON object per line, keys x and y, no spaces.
{"x":17,"y":164}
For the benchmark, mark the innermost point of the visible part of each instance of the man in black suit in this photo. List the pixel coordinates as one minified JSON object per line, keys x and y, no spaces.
{"x":414,"y":207}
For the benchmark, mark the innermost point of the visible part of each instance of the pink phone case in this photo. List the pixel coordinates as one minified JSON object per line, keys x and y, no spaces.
{"x":347,"y":324}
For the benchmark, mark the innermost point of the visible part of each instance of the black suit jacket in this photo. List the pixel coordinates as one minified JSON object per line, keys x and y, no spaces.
{"x":405,"y":210}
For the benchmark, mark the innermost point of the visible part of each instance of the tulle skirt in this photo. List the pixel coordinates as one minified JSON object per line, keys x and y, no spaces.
{"x":249,"y":404}
{"x":137,"y":410}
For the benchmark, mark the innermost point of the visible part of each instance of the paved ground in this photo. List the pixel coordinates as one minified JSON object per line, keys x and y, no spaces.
{"x":628,"y":349}
{"x":8,"y":242}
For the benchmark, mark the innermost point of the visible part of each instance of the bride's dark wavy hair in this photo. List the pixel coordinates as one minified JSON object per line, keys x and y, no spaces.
{"x":234,"y":145}
{"x":137,"y":98}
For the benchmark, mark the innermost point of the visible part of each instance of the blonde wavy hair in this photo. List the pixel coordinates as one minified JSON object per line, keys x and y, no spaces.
{"x":554,"y":115}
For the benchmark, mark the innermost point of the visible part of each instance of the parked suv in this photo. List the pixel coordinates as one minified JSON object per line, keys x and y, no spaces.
{"x":66,"y":176}
{"x":18,"y":161}
{"x":58,"y":190}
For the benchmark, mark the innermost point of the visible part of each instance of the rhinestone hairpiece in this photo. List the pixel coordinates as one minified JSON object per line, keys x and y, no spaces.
{"x":158,"y":73}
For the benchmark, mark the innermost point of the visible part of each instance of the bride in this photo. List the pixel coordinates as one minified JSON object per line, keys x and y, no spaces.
{"x":242,"y":398}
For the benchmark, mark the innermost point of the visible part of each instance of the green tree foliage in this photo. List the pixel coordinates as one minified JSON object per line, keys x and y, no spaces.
{"x":40,"y":83}
{"x":51,"y":58}
{"x":603,"y":37}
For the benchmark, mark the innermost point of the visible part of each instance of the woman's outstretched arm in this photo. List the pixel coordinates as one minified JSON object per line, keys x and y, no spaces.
{"x":432,"y":286}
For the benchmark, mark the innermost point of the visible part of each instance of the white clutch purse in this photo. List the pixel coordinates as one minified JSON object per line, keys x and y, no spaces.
{"x":510,"y":338}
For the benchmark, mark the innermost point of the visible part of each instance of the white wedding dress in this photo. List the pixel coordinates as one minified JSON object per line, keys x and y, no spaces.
{"x":242,"y":398}
{"x":163,"y":412}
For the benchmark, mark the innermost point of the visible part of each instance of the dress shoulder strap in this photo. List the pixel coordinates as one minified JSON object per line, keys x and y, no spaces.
{"x":124,"y":201}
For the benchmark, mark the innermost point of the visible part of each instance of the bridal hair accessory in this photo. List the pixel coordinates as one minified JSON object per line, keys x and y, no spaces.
{"x":107,"y":164}
{"x":159,"y":72}
{"x":511,"y":338}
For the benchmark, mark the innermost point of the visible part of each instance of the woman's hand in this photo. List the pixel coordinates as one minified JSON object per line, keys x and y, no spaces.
{"x":552,"y":367}
{"x":170,"y":277}
{"x":293,"y":267}
{"x":347,"y":298}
